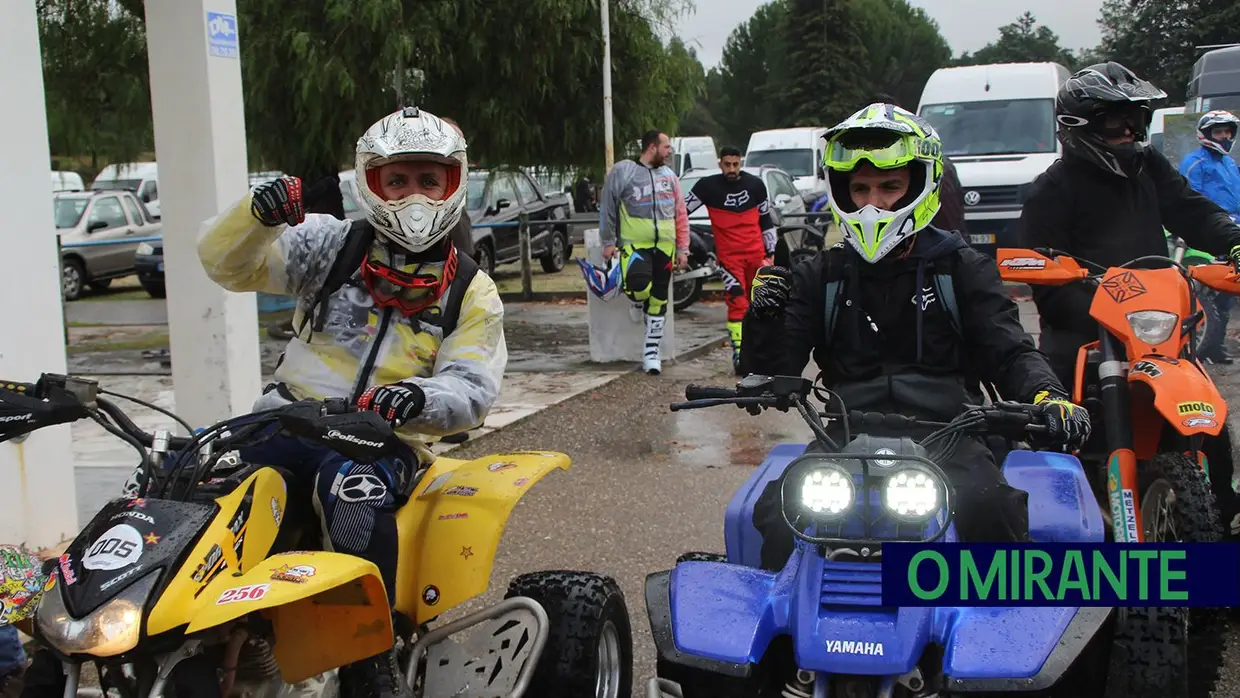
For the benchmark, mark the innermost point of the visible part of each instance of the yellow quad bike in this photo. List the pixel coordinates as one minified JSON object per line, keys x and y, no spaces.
{"x":209,"y":583}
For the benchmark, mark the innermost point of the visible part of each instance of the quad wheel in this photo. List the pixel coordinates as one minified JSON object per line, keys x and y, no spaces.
{"x":589,"y":653}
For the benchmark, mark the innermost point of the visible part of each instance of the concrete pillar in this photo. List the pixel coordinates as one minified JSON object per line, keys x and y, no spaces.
{"x":200,"y":143}
{"x":37,"y":501}
{"x":614,"y":333}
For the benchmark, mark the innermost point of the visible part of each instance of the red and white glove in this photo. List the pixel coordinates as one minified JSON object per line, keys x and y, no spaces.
{"x":278,"y":202}
{"x":397,"y":403}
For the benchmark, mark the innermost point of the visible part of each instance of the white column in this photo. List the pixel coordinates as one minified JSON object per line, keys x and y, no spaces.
{"x":200,"y":144}
{"x":37,"y":501}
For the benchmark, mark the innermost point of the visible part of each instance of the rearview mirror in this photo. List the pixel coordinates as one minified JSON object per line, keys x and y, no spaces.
{"x":782,"y":199}
{"x":96,"y":225}
{"x":502,"y":204}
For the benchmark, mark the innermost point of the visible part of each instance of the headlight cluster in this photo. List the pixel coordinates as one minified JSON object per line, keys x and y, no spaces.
{"x":146,"y":248}
{"x":910,"y":494}
{"x":113,"y":628}
{"x":1152,"y":326}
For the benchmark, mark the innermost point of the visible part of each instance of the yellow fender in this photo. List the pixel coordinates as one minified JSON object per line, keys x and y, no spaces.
{"x":451,"y":527}
{"x":238,"y":538}
{"x":326,"y":609}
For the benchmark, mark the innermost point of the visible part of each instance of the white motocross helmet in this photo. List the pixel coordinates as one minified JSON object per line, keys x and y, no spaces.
{"x":415,"y":222}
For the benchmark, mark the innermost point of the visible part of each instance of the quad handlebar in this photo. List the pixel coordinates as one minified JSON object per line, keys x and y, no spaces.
{"x":333,"y":423}
{"x":756,"y":393}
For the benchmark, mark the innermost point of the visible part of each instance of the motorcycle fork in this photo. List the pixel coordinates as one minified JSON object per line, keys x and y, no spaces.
{"x":1122,"y":483}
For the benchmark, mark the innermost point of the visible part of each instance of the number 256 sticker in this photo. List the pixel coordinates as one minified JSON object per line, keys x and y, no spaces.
{"x":250,"y":592}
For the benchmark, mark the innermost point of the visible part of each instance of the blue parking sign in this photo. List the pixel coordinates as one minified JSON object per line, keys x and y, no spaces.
{"x":222,"y":35}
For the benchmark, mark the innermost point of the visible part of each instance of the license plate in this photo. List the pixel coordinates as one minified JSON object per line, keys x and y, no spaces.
{"x":982,"y":239}
{"x":159,"y":267}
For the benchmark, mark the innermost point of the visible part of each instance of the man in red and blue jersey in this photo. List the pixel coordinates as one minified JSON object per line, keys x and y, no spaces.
{"x":744,"y":233}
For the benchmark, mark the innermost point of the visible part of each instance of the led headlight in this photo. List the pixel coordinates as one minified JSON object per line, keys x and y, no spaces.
{"x":113,"y":628}
{"x":827,"y":492}
{"x":146,"y":248}
{"x":1152,"y":326}
{"x":913,"y":495}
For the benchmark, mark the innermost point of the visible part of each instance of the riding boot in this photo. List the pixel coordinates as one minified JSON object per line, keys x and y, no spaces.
{"x":654,"y":336}
{"x":734,"y":331}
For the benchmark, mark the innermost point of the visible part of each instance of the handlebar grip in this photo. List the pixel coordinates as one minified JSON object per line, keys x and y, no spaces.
{"x":706,"y":392}
{"x":18,"y":387}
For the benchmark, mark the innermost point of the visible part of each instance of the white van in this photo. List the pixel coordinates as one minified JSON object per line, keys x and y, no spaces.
{"x":67,"y":181}
{"x":141,"y":178}
{"x":694,"y":153}
{"x":997,"y":123}
{"x":1158,"y":125}
{"x":797,"y":151}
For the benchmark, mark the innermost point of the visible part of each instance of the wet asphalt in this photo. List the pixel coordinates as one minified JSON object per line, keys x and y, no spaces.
{"x":648,"y":484}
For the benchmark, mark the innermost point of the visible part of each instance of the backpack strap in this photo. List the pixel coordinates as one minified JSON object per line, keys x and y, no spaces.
{"x":357,"y":242}
{"x":946,"y":291}
{"x":832,"y":291}
{"x":466,"y":270}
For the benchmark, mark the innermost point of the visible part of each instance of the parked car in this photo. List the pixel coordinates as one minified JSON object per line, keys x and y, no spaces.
{"x":115,"y":217}
{"x":148,"y":259}
{"x":501,"y":196}
{"x":141,"y":178}
{"x":67,"y":181}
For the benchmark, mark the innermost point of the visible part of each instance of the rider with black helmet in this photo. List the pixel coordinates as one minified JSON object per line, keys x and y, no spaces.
{"x":1108,"y":200}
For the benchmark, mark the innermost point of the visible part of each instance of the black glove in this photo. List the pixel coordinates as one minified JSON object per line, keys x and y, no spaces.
{"x":278,"y":202}
{"x":397,"y":403}
{"x":1067,"y":424}
{"x":769,"y":292}
{"x":23,"y":411}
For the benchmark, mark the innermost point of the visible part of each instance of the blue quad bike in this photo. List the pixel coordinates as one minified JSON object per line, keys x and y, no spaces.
{"x":725,"y":627}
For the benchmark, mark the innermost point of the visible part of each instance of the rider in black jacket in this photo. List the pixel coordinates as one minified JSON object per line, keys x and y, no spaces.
{"x":894,"y":345}
{"x":1107,"y":200}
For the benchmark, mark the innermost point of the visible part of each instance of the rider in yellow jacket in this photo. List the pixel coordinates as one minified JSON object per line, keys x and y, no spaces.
{"x":379,"y":338}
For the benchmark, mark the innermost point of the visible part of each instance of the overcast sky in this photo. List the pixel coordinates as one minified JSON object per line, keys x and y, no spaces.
{"x":966,"y":24}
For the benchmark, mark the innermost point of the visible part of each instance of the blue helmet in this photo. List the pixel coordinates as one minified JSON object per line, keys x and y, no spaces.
{"x":602,"y":283}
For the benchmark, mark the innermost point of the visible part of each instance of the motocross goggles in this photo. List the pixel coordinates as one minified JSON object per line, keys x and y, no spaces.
{"x":409,"y":293}
{"x":884,"y":149}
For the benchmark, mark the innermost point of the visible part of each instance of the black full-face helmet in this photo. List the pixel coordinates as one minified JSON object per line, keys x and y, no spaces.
{"x":1102,"y":102}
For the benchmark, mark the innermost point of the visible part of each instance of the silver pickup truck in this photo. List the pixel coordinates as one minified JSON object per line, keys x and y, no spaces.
{"x":99,"y":233}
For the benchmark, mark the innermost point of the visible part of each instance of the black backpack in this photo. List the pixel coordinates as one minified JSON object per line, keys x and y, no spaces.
{"x":348,"y":261}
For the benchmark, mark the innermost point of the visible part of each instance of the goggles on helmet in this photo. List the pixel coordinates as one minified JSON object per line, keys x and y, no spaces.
{"x":886,"y":150}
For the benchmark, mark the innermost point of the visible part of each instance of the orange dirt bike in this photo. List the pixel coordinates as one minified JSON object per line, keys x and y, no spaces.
{"x":1152,"y":405}
{"x":1144,"y":388}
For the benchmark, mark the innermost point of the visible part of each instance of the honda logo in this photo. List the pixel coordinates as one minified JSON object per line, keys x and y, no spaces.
{"x":972,"y":197}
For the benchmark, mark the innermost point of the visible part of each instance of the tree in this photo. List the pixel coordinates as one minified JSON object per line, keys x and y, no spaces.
{"x":821,"y":73}
{"x":1022,"y":41}
{"x":903,"y":48}
{"x":745,"y":95}
{"x":1159,"y":40}
{"x":95,"y":80}
{"x":525,"y":80}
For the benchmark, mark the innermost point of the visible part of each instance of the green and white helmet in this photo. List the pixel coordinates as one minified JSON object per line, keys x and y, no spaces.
{"x":888,"y":137}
